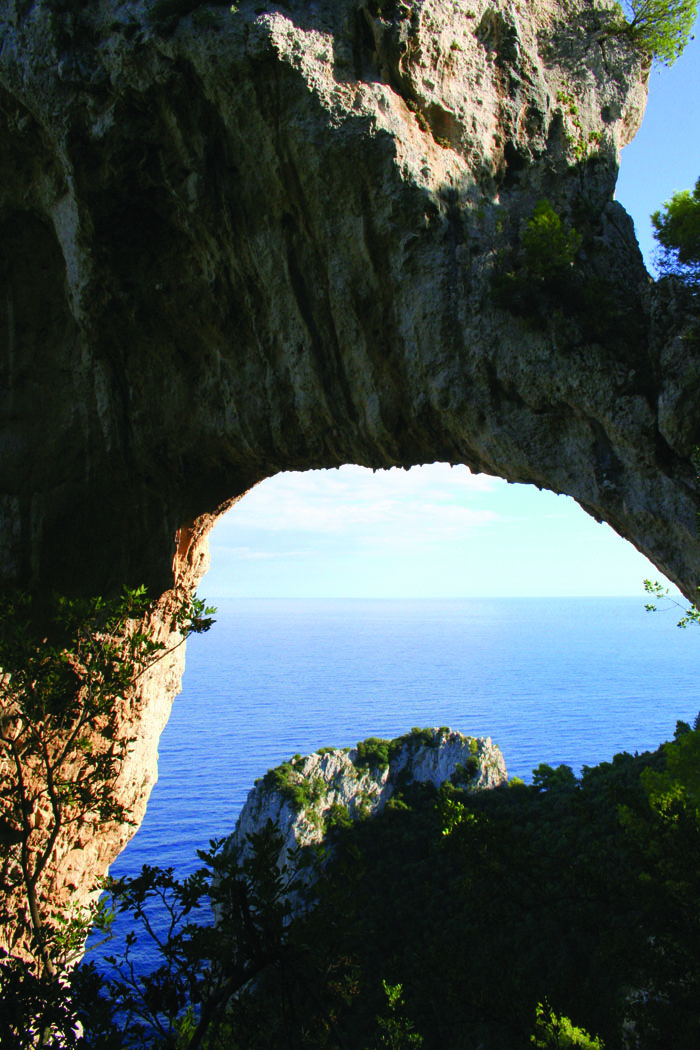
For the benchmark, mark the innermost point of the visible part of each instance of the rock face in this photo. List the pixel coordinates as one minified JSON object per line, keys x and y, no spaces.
{"x":67,"y":884}
{"x":235,"y":243}
{"x":293,"y":235}
{"x":306,"y":796}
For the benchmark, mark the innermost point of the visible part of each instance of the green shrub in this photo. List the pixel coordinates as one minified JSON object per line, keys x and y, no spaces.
{"x":300,"y":791}
{"x":558,"y":1033}
{"x":338,"y":817}
{"x":373,"y":753}
{"x":421,"y":738}
{"x":550,"y":245}
{"x":677,"y":229}
{"x":377,"y":753}
{"x":658,"y":29}
{"x":465,"y":773}
{"x":545,"y":778}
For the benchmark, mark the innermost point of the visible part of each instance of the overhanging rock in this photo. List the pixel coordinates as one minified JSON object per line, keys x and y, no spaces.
{"x":289,"y":236}
{"x":293,"y":235}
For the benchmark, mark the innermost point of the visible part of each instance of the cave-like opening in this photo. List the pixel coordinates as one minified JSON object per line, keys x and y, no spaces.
{"x":558,"y":660}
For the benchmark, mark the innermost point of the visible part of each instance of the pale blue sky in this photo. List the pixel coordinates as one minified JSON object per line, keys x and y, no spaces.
{"x":439,"y":532}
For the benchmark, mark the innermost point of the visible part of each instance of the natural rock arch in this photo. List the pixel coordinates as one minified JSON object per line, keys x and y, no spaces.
{"x":290,"y":236}
{"x":268,"y":240}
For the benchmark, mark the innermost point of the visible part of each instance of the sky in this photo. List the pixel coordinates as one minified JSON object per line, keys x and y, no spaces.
{"x":441,"y":532}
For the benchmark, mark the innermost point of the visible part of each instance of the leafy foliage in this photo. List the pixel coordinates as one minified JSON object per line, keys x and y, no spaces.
{"x":201,"y":965}
{"x":300,"y":791}
{"x":377,"y":753}
{"x":659,"y":29}
{"x":558,"y":1033}
{"x":66,"y":667}
{"x":395,"y":1028}
{"x":548,"y":779}
{"x":677,"y":229}
{"x":666,"y":832}
{"x":454,"y":919}
{"x":550,"y":244}
{"x":465,"y":772}
{"x":659,"y":593}
{"x":373,"y":753}
{"x":521,"y":916}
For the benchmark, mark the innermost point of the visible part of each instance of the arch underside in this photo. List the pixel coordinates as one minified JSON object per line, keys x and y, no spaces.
{"x":222,"y":260}
{"x":292,"y":238}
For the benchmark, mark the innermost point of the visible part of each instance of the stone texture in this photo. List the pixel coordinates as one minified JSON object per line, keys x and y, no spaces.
{"x":239,"y":243}
{"x":338,"y":779}
{"x":235,"y":243}
{"x":80,"y":856}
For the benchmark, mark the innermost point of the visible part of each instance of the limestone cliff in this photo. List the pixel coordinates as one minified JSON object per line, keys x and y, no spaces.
{"x":239,"y":242}
{"x":307,"y":796}
{"x":290,"y":235}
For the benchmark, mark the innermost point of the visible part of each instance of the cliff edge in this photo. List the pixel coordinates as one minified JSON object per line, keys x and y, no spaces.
{"x":306,"y":797}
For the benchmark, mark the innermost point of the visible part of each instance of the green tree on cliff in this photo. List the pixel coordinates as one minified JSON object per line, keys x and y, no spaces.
{"x":677,"y":229}
{"x":660,"y":29}
{"x":68,"y":666}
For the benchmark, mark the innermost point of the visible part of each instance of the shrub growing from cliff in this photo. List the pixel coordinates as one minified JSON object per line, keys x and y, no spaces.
{"x":373,"y":753}
{"x":659,"y":29}
{"x":300,"y":791}
{"x":377,"y":753}
{"x":677,"y":229}
{"x":66,"y":667}
{"x":465,"y":772}
{"x":550,"y":244}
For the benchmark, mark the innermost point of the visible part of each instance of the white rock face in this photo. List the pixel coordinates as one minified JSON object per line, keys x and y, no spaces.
{"x":306,"y":795}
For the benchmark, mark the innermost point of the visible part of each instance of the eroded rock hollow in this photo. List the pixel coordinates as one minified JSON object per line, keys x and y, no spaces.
{"x":235,"y":241}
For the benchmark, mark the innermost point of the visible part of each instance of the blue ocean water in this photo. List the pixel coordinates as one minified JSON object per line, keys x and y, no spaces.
{"x":550,"y":680}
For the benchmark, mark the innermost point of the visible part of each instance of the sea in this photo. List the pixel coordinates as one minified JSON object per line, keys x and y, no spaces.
{"x":555,"y":680}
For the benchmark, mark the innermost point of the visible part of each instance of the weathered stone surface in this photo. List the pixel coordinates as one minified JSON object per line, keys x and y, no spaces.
{"x":290,"y":236}
{"x":336,"y":780}
{"x":67,"y":884}
{"x":237,"y":243}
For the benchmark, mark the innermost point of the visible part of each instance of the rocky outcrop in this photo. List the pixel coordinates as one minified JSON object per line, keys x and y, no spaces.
{"x":306,"y":797}
{"x":287,"y":235}
{"x":87,"y":844}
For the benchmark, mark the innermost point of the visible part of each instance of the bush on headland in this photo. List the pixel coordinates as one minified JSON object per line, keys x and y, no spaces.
{"x":560,"y":913}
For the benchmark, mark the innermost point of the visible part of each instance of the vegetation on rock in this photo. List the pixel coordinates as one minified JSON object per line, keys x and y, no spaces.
{"x":374,"y":753}
{"x":516,"y":917}
{"x":677,"y":229}
{"x":300,"y":791}
{"x":66,"y":665}
{"x":550,"y":245}
{"x":660,"y":29}
{"x":377,"y":753}
{"x":520,"y":916}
